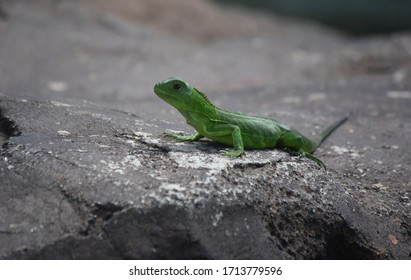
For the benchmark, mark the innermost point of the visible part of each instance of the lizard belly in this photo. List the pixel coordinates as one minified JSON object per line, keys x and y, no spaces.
{"x":256,"y":133}
{"x":259,"y":139}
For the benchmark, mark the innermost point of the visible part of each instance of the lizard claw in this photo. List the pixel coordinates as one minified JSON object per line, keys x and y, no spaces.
{"x":172,"y":132}
{"x":231,"y":152}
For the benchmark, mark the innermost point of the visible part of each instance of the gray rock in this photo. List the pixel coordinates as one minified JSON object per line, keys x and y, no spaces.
{"x":86,"y":173}
{"x":84,"y":182}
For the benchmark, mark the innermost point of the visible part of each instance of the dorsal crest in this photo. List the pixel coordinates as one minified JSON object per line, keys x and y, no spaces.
{"x":205,"y":97}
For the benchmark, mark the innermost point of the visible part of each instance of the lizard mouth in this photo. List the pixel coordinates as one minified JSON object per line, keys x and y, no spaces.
{"x":163,"y":95}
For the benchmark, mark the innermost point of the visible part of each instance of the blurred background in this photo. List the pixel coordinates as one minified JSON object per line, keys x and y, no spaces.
{"x":113,"y":52}
{"x":359,"y":17}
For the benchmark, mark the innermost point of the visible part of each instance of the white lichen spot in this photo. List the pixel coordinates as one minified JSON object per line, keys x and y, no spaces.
{"x":138,"y":122}
{"x":174,"y":190}
{"x":131,"y":142}
{"x":120,"y":167}
{"x":132,"y":160}
{"x":172,"y":187}
{"x":103,"y":146}
{"x":345,"y":151}
{"x":59,"y":104}
{"x":339,"y":150}
{"x":217,"y":218}
{"x":378,"y":187}
{"x":141,"y":134}
{"x":63,"y":133}
{"x":120,"y":171}
{"x":146,"y":137}
{"x":170,"y":193}
{"x":214,"y":165}
{"x":197,"y":161}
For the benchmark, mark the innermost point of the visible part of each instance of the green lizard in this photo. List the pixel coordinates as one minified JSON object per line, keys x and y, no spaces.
{"x":234,"y":129}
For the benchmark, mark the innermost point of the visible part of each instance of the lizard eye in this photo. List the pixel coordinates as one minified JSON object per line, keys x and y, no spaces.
{"x":176,"y":86}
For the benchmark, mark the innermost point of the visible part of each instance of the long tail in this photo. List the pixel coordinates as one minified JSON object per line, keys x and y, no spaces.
{"x":326,"y":132}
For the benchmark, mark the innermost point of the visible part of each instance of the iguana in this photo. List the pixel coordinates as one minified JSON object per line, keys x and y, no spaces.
{"x":234,"y":129}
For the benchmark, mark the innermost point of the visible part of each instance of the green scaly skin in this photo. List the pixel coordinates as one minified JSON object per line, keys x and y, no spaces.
{"x":234,"y":129}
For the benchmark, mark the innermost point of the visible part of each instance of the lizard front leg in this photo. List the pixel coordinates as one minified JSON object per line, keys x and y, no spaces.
{"x":184,"y":137}
{"x":227,"y":131}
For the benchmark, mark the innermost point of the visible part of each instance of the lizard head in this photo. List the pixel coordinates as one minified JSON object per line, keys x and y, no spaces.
{"x":175,"y":92}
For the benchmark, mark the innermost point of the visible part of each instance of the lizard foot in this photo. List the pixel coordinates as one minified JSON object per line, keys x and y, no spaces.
{"x":231,"y":152}
{"x":314,"y":158}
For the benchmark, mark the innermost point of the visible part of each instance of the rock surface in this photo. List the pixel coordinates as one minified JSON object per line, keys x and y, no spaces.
{"x":86,"y":174}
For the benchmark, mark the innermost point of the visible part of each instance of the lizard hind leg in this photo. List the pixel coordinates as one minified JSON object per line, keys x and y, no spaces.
{"x":313,"y":158}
